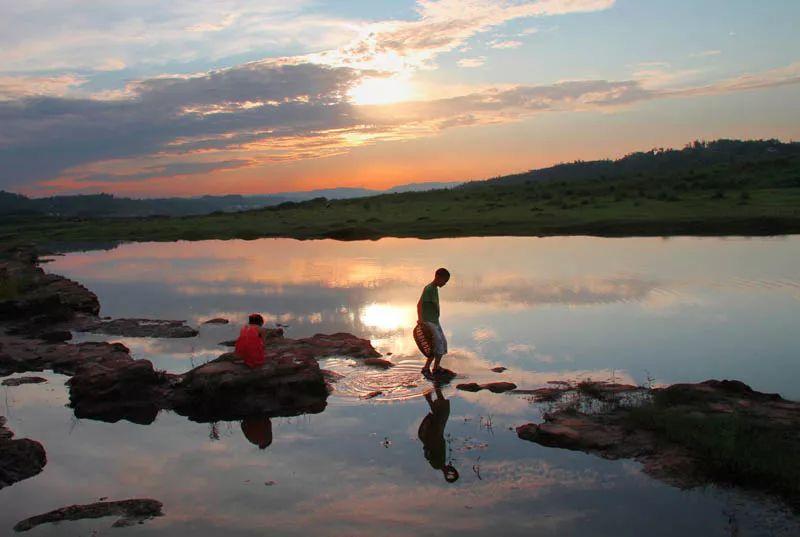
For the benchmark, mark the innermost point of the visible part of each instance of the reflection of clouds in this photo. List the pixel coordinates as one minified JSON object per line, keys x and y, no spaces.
{"x":575,"y":291}
{"x":483,"y":334}
{"x":529,"y":352}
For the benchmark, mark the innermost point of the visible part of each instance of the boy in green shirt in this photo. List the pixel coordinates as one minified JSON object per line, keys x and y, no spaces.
{"x":428,"y":314}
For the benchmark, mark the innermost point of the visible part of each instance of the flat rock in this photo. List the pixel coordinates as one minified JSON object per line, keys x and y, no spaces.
{"x":154,"y":328}
{"x":499,"y":369}
{"x":494,"y":387}
{"x":19,"y":458}
{"x":23,"y":380}
{"x":130,"y":512}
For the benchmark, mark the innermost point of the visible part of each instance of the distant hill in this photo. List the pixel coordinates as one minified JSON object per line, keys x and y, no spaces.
{"x":107,"y":205}
{"x":698,"y":164}
{"x":656,"y":162}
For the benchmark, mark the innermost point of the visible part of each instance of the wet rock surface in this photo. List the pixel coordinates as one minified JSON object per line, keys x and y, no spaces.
{"x":19,"y":458}
{"x":136,"y":328}
{"x":130,"y":512}
{"x":217,"y":320}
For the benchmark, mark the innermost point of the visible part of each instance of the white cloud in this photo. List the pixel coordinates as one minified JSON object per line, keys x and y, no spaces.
{"x":505,"y":44}
{"x":472,"y":62}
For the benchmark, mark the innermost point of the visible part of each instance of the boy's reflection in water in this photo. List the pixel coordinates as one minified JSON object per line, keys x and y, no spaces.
{"x":258,"y":430}
{"x":431,"y":432}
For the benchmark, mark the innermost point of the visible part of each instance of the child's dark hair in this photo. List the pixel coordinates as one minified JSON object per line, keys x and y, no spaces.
{"x":443,"y":273}
{"x":255,"y":319}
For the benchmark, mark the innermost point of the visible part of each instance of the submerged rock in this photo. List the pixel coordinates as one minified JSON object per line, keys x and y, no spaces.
{"x":19,"y":458}
{"x":131,"y":512}
{"x":23,"y":380}
{"x":494,"y":387}
{"x":378,"y":362}
{"x":217,"y":320}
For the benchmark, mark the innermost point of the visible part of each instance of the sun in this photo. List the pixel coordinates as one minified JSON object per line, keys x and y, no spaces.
{"x":384,"y":90}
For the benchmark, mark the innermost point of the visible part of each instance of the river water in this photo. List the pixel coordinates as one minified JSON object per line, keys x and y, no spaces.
{"x":642,"y":311}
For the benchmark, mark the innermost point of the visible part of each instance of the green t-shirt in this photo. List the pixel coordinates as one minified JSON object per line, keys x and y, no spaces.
{"x":430,"y":303}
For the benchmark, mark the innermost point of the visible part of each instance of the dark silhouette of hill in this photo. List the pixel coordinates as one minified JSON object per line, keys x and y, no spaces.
{"x":696,"y":156}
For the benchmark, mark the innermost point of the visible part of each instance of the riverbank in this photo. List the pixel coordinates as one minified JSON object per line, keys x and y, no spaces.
{"x":508,"y":212}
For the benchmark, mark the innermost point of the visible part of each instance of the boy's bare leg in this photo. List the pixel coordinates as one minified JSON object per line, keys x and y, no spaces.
{"x":426,"y":367}
{"x":436,"y":361}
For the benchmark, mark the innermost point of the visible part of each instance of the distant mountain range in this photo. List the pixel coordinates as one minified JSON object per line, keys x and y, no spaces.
{"x":107,"y":205}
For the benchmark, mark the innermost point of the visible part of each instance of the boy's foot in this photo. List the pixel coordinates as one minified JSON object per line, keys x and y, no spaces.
{"x":425,"y":372}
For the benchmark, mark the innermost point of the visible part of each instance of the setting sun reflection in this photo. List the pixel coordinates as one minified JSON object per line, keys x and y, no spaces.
{"x":387,"y":317}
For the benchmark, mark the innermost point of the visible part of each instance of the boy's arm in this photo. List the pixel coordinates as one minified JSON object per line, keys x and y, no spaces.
{"x":419,"y":310}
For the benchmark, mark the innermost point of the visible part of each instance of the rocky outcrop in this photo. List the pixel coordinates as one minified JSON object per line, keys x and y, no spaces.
{"x":617,"y":421}
{"x":38,"y":297}
{"x":322,"y":345}
{"x":108,"y":384}
{"x":131,"y":512}
{"x":19,"y":458}
{"x":290,"y":383}
{"x":22,"y":355}
{"x":47,"y":306}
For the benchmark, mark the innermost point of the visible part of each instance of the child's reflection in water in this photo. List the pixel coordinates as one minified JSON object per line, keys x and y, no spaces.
{"x":258,"y":430}
{"x":431,"y":432}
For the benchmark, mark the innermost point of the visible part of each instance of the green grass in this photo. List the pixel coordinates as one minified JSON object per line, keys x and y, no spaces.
{"x":732,"y":448}
{"x":11,"y":288}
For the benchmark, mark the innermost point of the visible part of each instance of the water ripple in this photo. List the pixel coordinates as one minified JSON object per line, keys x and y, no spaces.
{"x":402,"y":382}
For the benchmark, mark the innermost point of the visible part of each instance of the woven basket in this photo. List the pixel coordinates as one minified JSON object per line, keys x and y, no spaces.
{"x":424,"y":339}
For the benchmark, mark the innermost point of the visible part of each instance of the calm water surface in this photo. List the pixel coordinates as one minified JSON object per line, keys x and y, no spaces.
{"x":635,"y":310}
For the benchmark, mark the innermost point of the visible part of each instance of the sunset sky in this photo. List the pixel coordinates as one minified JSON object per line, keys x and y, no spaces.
{"x":150,"y":98}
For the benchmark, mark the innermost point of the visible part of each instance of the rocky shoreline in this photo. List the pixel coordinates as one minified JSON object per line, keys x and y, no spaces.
{"x":19,"y":458}
{"x":687,"y":435}
{"x":38,"y":312}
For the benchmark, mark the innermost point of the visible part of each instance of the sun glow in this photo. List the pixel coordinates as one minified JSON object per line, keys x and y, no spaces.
{"x":384,"y":90}
{"x":387,"y":317}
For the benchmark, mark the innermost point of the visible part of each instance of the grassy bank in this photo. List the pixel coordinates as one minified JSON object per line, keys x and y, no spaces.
{"x":735,"y":448}
{"x":767,"y":211}
{"x":757,"y":195}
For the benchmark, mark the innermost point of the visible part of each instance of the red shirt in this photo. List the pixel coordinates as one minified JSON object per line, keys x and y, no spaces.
{"x":250,"y":346}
